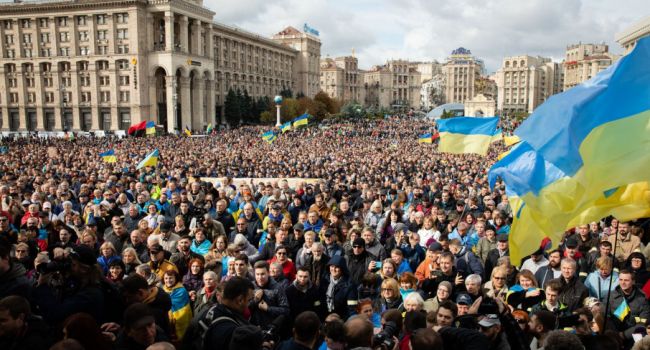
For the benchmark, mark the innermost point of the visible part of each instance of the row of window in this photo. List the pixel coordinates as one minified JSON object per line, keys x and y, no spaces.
{"x":66,"y":66}
{"x":64,"y":37}
{"x":84,"y":97}
{"x":66,"y":51}
{"x":81,"y":20}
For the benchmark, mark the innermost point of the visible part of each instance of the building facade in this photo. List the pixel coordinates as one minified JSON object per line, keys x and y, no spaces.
{"x":583,"y":61}
{"x":393,"y":85}
{"x":340,"y":78}
{"x":628,"y":37}
{"x":106,"y":64}
{"x":480,"y":106}
{"x":461,"y":71}
{"x":432,"y":92}
{"x":525,"y":82}
{"x":307,"y":63}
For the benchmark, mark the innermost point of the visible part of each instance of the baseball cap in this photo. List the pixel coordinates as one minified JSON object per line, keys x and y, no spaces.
{"x":464,"y":299}
{"x":502,"y":237}
{"x":155,"y":248}
{"x":435,"y":247}
{"x":489,"y":320}
{"x":571,"y":242}
{"x":165,"y":226}
{"x":299,"y":226}
{"x":47,"y":205}
{"x":359,"y":242}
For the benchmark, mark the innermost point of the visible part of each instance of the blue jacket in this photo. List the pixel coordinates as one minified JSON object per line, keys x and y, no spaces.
{"x":599,"y":287}
{"x":104,"y":263}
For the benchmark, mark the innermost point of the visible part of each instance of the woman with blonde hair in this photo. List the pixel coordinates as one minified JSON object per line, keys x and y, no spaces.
{"x":107,"y":254}
{"x":390,"y":297}
{"x":131,"y":260}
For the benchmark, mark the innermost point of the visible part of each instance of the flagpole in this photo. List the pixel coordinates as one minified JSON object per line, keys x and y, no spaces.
{"x":611,"y":278}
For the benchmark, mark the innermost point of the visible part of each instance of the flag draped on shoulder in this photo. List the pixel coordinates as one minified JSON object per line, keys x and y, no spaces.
{"x":285,"y":127}
{"x":466,"y":134}
{"x":425,"y":138}
{"x":108,"y":156}
{"x":269,"y":136}
{"x":137,"y":130}
{"x":301,"y":120}
{"x":150,"y":160}
{"x":582,"y":155}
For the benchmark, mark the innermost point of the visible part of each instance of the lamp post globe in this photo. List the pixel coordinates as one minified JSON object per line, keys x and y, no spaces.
{"x":278,"y":103}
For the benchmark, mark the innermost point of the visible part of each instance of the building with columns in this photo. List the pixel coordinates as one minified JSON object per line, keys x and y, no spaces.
{"x":340,"y":78}
{"x":584,"y":61}
{"x":461,"y":71}
{"x":107,"y":64}
{"x":524,"y":82}
{"x":630,"y":35}
{"x":393,"y":85}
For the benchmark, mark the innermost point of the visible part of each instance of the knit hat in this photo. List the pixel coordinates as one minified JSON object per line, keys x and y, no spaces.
{"x":246,"y":337}
{"x":445,"y":284}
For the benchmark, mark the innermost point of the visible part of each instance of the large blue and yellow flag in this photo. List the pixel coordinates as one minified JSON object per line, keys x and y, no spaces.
{"x":285,"y":127}
{"x":151,"y":128}
{"x":426,"y":138}
{"x":466,"y":134}
{"x":108,"y":156}
{"x":269,"y":136}
{"x":150,"y":160}
{"x":301,"y":120}
{"x":583,"y":155}
{"x":498,"y":136}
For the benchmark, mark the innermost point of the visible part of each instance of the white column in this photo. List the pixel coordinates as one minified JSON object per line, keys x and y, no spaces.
{"x":169,"y":31}
{"x":186,"y":108}
{"x":170,"y":82}
{"x":183,"y":24}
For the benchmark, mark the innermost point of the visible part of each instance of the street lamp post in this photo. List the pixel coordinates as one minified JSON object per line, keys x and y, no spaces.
{"x":278,"y":104}
{"x":175,"y":101}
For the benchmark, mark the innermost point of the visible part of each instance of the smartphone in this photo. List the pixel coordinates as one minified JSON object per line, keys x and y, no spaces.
{"x":378,"y":264}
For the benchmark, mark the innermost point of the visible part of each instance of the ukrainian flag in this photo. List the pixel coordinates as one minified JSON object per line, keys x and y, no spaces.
{"x":286,"y":127}
{"x":466,"y":134}
{"x":622,"y":311}
{"x":209,"y":129}
{"x":511,"y":140}
{"x":108,"y":156}
{"x":301,"y":120}
{"x":426,"y":138}
{"x":151,"y":128}
{"x":583,"y":155}
{"x":498,"y":136}
{"x":180,"y":313}
{"x":150,"y":160}
{"x":187,"y":132}
{"x":269,"y":136}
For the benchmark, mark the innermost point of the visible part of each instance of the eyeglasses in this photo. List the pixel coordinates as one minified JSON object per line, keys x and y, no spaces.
{"x":3,"y":219}
{"x":21,"y":251}
{"x":500,"y":278}
{"x":241,"y":224}
{"x":357,"y":246}
{"x":521,"y":321}
{"x":281,"y":253}
{"x":386,"y":290}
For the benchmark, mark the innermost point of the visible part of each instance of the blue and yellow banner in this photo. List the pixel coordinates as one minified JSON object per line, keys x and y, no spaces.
{"x":180,"y":314}
{"x":187,"y":132}
{"x":108,"y":156}
{"x":150,"y":160}
{"x":209,"y":129}
{"x":583,"y":155}
{"x":269,"y":136}
{"x":498,"y":136}
{"x":466,"y":134}
{"x":426,"y":138}
{"x":285,"y":127}
{"x":151,"y":128}
{"x":301,"y":120}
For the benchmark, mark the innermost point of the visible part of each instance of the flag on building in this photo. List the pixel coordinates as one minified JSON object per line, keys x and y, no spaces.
{"x":583,"y":155}
{"x":187,"y":131}
{"x":108,"y":156}
{"x":269,"y":136}
{"x":138,"y":130}
{"x":286,"y":127}
{"x":301,"y":120}
{"x":151,"y":128}
{"x":466,"y":134}
{"x":150,"y":160}
{"x":426,"y":138}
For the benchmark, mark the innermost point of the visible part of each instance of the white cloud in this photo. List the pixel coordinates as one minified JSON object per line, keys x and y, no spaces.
{"x":429,"y":29}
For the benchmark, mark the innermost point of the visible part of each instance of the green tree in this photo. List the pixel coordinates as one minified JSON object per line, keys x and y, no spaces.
{"x":446,"y":114}
{"x":246,"y":103}
{"x":299,"y":95}
{"x":331,"y":105}
{"x":353,"y":109}
{"x":233,"y":108}
{"x":290,"y":109}
{"x":267,"y":117}
{"x":520,"y":115}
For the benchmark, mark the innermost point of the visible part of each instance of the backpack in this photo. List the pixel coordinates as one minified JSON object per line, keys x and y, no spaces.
{"x":194,"y":338}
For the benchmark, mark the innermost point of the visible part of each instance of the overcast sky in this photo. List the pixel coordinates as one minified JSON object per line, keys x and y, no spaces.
{"x":430,"y":29}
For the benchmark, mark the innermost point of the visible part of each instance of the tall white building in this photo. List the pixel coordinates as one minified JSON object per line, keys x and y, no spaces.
{"x":584,"y":61}
{"x":461,"y":71}
{"x":525,"y":82}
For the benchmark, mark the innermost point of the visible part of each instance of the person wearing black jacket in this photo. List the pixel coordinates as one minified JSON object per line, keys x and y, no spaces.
{"x":20,"y":329}
{"x":358,"y":260}
{"x":302,"y":295}
{"x":224,"y":217}
{"x":573,"y":291}
{"x":135,"y":289}
{"x":316,"y":263}
{"x":637,"y":264}
{"x":12,"y":275}
{"x":337,"y":293}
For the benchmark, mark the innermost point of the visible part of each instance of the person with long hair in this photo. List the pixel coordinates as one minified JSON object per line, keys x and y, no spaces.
{"x":131,"y":260}
{"x":386,"y":227}
{"x":193,"y":279}
{"x":390,"y":297}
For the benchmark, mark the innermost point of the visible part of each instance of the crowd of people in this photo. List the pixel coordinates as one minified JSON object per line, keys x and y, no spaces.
{"x":362,"y":239}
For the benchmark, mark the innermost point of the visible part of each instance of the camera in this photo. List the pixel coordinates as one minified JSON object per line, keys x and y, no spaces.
{"x":272,"y":332}
{"x":384,"y":339}
{"x":54,"y":266}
